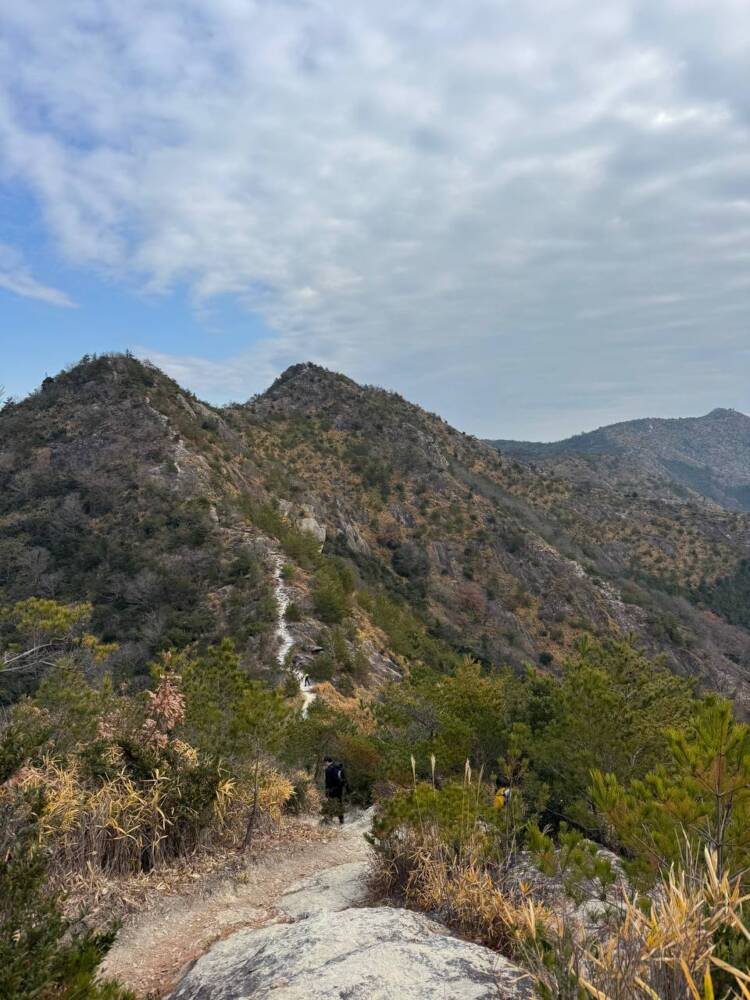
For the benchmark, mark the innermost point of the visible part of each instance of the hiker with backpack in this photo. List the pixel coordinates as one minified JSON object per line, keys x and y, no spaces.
{"x":335,"y":785}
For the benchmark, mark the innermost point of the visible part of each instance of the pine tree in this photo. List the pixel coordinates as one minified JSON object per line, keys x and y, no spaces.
{"x":702,"y":794}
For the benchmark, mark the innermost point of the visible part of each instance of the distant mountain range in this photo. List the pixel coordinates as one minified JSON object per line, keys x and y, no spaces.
{"x":121,"y":488}
{"x":696,"y":456}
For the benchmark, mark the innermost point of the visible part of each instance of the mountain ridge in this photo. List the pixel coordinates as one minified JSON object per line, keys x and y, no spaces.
{"x":122,"y":488}
{"x":706,"y":456}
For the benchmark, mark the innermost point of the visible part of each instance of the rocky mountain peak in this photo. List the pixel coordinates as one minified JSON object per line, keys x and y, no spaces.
{"x":307,"y":382}
{"x":728,"y":413}
{"x":103,"y":367}
{"x":102,"y":379}
{"x":309,"y":390}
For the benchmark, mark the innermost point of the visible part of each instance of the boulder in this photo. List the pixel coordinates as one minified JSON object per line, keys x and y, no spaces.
{"x":305,"y":520}
{"x":330,"y":890}
{"x":377,"y":953}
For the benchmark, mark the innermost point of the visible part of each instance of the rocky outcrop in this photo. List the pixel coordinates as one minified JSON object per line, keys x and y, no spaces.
{"x":329,"y":891}
{"x":355,"y":540}
{"x":337,"y":947}
{"x":589,"y":906}
{"x":368,"y":954}
{"x":304,"y":518}
{"x":309,"y":524}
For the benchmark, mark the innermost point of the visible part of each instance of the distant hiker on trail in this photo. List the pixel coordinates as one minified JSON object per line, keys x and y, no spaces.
{"x":306,"y":681}
{"x":502,"y":792}
{"x":335,"y":786}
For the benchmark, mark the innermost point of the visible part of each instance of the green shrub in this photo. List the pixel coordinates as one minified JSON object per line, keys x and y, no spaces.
{"x":330,"y":600}
{"x":293,"y":613}
{"x":43,"y":956}
{"x":290,"y":687}
{"x":459,"y":814}
{"x":322,"y":668}
{"x":346,"y":686}
{"x":699,"y":795}
{"x":574,"y":860}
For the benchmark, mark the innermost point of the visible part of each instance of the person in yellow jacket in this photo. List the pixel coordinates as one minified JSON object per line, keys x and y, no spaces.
{"x":502,"y":793}
{"x":501,"y":798}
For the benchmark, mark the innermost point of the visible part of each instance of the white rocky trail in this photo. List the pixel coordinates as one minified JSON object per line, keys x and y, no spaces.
{"x":284,"y":636}
{"x":158,"y":942}
{"x":326,"y":944}
{"x":296,"y":926}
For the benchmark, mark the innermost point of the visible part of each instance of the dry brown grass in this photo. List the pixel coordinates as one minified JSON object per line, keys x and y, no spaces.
{"x":105,"y":897}
{"x":669,"y":950}
{"x":121,"y":827}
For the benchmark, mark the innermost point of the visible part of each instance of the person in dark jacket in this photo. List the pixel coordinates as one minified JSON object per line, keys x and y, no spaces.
{"x":335,"y":787}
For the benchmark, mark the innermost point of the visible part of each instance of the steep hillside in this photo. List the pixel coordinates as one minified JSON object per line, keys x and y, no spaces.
{"x":697,"y":456}
{"x":110,"y":476}
{"x":119,"y":488}
{"x":167,"y":514}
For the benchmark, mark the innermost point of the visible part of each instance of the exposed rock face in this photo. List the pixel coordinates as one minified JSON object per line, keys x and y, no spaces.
{"x":311,"y":526}
{"x":329,"y":891}
{"x":334,"y":951}
{"x":355,"y":541}
{"x":304,"y":519}
{"x":368,"y":954}
{"x":592,"y":903}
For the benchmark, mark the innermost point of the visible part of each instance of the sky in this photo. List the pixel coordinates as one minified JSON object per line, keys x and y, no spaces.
{"x":530,"y":217}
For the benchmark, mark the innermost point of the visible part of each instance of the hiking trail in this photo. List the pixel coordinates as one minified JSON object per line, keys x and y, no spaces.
{"x":154,"y":948}
{"x":284,"y":636}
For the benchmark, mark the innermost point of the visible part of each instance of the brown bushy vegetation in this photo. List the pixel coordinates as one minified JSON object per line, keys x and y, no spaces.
{"x":129,"y":782}
{"x":441,"y":850}
{"x":43,"y":955}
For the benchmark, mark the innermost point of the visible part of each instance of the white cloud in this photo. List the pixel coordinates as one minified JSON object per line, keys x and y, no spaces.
{"x":15,"y":277}
{"x":407,"y":190}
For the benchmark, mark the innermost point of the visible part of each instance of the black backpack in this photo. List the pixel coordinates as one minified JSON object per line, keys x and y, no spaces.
{"x":335,"y":778}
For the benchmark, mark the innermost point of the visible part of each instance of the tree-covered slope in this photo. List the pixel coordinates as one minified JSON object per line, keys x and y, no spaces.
{"x":705,"y":456}
{"x":110,"y":476}
{"x":120,"y":488}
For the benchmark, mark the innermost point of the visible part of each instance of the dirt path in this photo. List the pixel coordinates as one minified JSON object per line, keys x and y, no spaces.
{"x":154,"y":947}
